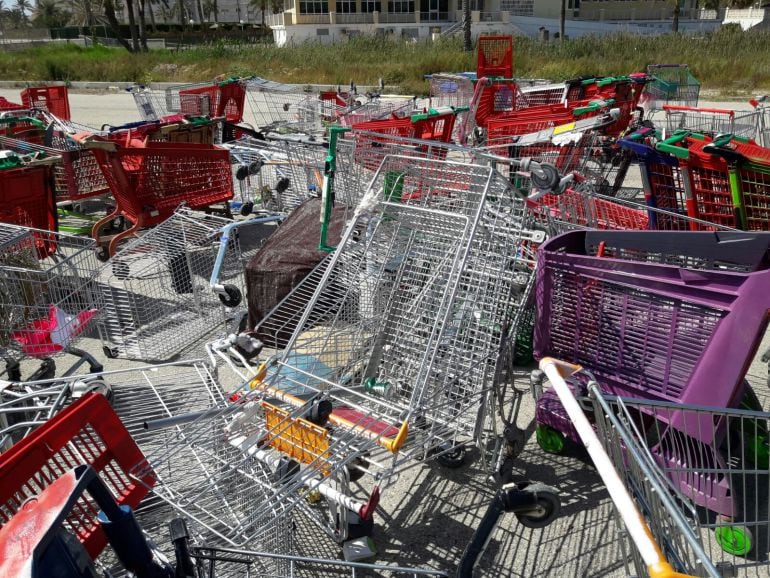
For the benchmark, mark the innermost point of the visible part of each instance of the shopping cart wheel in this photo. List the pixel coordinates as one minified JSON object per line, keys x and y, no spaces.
{"x":451,"y":456}
{"x":233,"y":296}
{"x":247,"y":208}
{"x":546,"y":177}
{"x":121,"y":270}
{"x":546,"y":509}
{"x":549,"y":439}
{"x":735,"y":540}
{"x":102,"y":254}
{"x":110,"y":352}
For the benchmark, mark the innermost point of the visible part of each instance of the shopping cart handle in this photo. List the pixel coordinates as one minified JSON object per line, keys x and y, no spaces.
{"x":392,"y":444}
{"x":719,"y":149}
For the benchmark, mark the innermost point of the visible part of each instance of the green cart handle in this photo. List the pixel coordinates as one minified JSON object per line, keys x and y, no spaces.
{"x":327,"y":190}
{"x":434,"y":112}
{"x":610,"y":79}
{"x":593,"y":106}
{"x":669,"y":145}
{"x":11,"y":120}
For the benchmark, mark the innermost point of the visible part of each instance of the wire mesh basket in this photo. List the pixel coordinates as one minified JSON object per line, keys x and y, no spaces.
{"x":155,"y":291}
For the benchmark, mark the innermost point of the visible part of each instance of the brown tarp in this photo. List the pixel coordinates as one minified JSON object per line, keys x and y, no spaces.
{"x":287,"y":256}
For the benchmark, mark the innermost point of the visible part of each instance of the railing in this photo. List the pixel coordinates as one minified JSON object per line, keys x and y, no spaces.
{"x":490,"y":17}
{"x":434,"y":16}
{"x":397,"y":18}
{"x":274,"y":19}
{"x":312,"y":19}
{"x":363,"y":18}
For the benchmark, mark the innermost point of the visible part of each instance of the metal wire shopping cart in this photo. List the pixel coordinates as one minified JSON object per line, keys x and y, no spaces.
{"x":150,"y":103}
{"x":671,"y":84}
{"x":156,"y":291}
{"x":274,"y":105}
{"x":47,"y":296}
{"x":661,"y":545}
{"x":666,"y":470}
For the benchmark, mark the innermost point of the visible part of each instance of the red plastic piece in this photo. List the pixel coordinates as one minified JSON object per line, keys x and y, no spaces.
{"x":87,"y":432}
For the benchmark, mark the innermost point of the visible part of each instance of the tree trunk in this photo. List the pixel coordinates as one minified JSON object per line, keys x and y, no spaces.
{"x":675,"y":24}
{"x":153,"y":26}
{"x":89,"y":19}
{"x":109,"y":13}
{"x":180,"y":9}
{"x":216,"y":11}
{"x":467,"y":41}
{"x":562,"y":19}
{"x":132,"y":24}
{"x":142,"y":25}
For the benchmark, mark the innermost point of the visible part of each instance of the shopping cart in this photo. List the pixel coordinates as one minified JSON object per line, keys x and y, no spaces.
{"x":47,"y":296}
{"x":150,"y":103}
{"x":223,"y":99}
{"x":627,"y":306}
{"x":274,"y":105}
{"x":710,"y":121}
{"x":662,"y":541}
{"x":277,"y":174}
{"x":670,"y":84}
{"x":149,"y":183}
{"x":26,"y":192}
{"x":748,"y":171}
{"x":156,"y":291}
{"x":494,"y":57}
{"x":53,"y":99}
{"x":668,"y":472}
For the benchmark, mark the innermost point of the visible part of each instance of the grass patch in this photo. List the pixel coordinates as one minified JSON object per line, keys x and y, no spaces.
{"x":728,"y":60}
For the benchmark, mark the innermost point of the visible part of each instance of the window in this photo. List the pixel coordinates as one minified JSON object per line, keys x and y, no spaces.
{"x":401,"y":6}
{"x":346,"y":6}
{"x":314,"y":7}
{"x":370,"y":6}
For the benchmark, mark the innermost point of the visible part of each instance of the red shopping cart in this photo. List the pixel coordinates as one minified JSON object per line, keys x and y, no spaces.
{"x":54,"y":99}
{"x":494,"y":57}
{"x":223,"y":99}
{"x":87,"y":432}
{"x":149,"y":183}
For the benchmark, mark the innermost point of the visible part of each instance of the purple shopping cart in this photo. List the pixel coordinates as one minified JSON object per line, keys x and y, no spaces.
{"x":661,"y":316}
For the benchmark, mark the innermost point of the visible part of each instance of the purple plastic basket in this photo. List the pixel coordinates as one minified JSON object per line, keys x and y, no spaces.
{"x":671,"y":316}
{"x":663,"y":316}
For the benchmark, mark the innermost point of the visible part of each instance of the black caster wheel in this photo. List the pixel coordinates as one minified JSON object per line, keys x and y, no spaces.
{"x":453,"y":458}
{"x":110,"y":352}
{"x":233,"y":296}
{"x":102,"y":254}
{"x":546,"y":510}
{"x":246,"y":209}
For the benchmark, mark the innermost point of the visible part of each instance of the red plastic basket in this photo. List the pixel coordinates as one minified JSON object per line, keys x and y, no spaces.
{"x":54,"y":99}
{"x":149,"y":183}
{"x":709,"y":180}
{"x":27,"y":197}
{"x":87,"y":432}
{"x":6,"y":104}
{"x":494,"y":57}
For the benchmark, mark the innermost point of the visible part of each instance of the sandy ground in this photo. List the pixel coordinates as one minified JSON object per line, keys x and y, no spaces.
{"x":427,"y":519}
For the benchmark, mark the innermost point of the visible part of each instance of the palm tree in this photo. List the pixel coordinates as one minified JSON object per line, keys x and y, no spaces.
{"x":49,"y":14}
{"x":260,"y":5}
{"x":23,"y":6}
{"x":467,"y":43}
{"x":677,"y":10}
